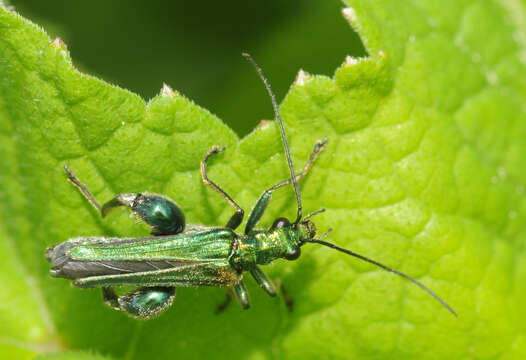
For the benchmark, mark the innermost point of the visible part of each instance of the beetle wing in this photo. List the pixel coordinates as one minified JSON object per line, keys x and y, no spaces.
{"x":199,"y":273}
{"x":88,"y":257}
{"x":209,"y":243}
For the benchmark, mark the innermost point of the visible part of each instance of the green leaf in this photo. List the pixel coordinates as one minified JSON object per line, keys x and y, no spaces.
{"x":423,"y":173}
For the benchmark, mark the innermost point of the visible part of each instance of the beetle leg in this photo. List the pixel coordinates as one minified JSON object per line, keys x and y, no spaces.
{"x":159,"y":212}
{"x":261,"y":204}
{"x":269,"y":287}
{"x":263,"y":281}
{"x":224,"y":305}
{"x":236,"y":219}
{"x":82,"y":188}
{"x":143,"y":303}
{"x":289,"y":302}
{"x":240,"y":290}
{"x":110,"y":297}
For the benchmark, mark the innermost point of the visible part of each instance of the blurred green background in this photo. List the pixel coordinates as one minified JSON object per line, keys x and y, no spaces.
{"x":195,"y":47}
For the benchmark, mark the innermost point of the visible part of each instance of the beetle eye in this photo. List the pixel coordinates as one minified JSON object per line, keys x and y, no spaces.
{"x":294,"y":254}
{"x":280,"y":222}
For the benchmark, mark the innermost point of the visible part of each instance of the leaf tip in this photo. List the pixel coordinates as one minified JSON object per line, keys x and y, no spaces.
{"x":301,"y":78}
{"x":350,"y":60}
{"x":168,"y":91}
{"x":349,"y":14}
{"x":6,"y":6}
{"x":59,"y":44}
{"x":263,"y":124}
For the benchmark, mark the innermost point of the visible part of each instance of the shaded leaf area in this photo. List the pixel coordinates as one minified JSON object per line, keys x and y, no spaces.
{"x":422,"y":172}
{"x":73,"y":355}
{"x":196,"y":46}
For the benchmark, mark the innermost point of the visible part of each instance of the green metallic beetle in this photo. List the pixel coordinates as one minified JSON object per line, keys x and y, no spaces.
{"x":195,"y":256}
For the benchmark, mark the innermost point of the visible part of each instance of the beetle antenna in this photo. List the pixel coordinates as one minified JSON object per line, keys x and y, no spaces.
{"x":361,"y":257}
{"x":313,"y":213}
{"x":324,"y":235}
{"x":282,"y":129}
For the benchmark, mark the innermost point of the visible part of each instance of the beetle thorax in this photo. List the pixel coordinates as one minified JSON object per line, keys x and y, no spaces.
{"x":262,"y":247}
